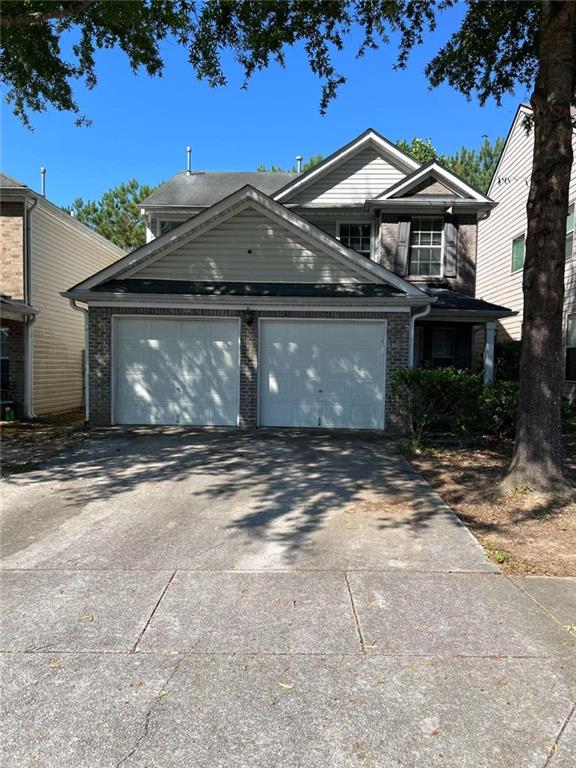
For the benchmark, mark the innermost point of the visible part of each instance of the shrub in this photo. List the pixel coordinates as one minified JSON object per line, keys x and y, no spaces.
{"x":457,"y":402}
{"x":507,"y":360}
{"x":438,"y":399}
{"x":499,"y":405}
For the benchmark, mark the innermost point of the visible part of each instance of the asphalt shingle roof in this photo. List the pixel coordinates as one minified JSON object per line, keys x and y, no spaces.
{"x":8,"y":182}
{"x":446,"y":299}
{"x":204,"y":188}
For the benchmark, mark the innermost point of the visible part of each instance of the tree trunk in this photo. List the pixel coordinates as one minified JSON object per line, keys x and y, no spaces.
{"x":537,"y":459}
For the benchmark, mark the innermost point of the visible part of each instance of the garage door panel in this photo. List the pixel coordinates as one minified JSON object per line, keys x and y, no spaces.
{"x":176,"y":372}
{"x":322,"y":373}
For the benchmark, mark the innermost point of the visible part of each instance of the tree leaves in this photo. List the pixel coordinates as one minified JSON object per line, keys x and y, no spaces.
{"x":494,"y":48}
{"x":116,"y":216}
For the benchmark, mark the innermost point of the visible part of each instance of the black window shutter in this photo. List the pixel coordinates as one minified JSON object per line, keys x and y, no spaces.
{"x":403,"y":246}
{"x":450,"y":248}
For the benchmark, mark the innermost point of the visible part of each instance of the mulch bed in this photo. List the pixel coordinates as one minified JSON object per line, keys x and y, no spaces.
{"x":26,"y":445}
{"x":524,"y":532}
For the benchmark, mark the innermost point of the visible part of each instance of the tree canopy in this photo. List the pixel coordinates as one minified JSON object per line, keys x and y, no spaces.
{"x":494,"y":49}
{"x":116,"y":215}
{"x":474,"y":166}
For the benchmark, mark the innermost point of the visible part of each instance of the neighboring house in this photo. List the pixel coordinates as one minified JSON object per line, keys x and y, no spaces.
{"x":42,"y":249}
{"x":502,"y":238}
{"x":267,"y":299}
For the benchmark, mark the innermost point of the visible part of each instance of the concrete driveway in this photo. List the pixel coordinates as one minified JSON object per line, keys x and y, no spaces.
{"x":178,"y":598}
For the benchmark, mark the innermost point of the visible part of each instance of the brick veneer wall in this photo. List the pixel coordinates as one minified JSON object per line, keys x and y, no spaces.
{"x":12,"y":249}
{"x":100,"y":324}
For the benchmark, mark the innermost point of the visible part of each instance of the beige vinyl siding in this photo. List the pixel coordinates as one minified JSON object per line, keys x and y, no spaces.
{"x":364,"y":175}
{"x":62,"y":254}
{"x":494,"y":279}
{"x":249,"y":247}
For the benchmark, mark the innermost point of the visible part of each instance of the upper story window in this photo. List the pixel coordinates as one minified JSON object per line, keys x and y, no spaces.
{"x":570,"y":233}
{"x":426,"y":246}
{"x":357,"y":236}
{"x":571,"y":348}
{"x":518,"y":249}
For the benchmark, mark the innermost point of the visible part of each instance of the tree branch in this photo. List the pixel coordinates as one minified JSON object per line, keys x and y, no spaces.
{"x":34,"y":19}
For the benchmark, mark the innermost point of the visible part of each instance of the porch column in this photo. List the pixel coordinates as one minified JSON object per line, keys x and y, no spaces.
{"x":490,"y":329}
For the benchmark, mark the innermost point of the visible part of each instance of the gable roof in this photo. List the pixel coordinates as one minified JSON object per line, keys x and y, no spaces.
{"x":201,"y":189}
{"x":436,"y":171}
{"x":368,"y":138}
{"x":246,"y":197}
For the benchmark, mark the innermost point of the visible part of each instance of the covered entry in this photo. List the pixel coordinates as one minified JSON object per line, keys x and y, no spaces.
{"x":322,"y":373}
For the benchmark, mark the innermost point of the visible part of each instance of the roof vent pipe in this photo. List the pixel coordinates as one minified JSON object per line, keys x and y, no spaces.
{"x":43,"y":181}
{"x":299,"y":159}
{"x":188,"y":161}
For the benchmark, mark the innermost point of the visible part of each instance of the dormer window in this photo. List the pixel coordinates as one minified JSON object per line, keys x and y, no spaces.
{"x":357,"y":236}
{"x":426,"y":246}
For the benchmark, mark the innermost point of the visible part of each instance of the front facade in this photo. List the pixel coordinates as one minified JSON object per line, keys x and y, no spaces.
{"x":264,"y":299}
{"x":502,"y":238}
{"x":42,"y":249}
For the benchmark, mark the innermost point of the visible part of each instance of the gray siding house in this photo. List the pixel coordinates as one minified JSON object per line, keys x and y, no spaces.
{"x":501,"y":242}
{"x":270,"y":299}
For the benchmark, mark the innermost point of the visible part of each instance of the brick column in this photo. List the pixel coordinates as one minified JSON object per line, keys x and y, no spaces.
{"x":248,"y":370}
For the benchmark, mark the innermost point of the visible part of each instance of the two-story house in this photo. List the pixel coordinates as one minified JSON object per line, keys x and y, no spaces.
{"x":42,"y":249}
{"x":501,"y":241}
{"x":269,"y":299}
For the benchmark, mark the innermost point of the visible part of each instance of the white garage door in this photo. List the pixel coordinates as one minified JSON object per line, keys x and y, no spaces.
{"x":176,"y":371}
{"x":322,"y":374}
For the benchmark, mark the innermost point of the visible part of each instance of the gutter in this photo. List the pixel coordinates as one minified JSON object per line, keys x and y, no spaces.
{"x":29,"y":320}
{"x":416,"y":316}
{"x":86,"y":359}
{"x":217,"y":301}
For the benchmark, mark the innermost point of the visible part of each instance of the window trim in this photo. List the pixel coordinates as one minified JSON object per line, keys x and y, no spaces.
{"x":567,"y":346}
{"x":572,"y":231}
{"x":440,"y":275}
{"x":347,"y":222}
{"x":521,"y":269}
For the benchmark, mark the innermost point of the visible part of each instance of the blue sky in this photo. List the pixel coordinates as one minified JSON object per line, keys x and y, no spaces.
{"x":141,"y":126}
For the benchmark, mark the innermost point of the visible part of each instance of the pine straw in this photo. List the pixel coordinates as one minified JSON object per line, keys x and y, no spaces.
{"x":525,"y":532}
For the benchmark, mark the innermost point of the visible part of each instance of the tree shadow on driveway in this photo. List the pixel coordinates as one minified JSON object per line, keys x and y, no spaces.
{"x":275,"y":486}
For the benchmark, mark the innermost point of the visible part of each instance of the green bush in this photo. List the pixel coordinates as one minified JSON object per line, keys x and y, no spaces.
{"x":457,"y":402}
{"x":507,"y":360}
{"x":438,"y":399}
{"x":499,"y":405}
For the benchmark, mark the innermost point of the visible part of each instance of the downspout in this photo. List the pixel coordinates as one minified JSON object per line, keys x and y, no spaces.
{"x":86,"y":359}
{"x":416,"y":316}
{"x":28,"y":346}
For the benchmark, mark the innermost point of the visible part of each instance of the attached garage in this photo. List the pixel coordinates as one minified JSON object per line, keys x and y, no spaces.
{"x":176,"y":371}
{"x":322,"y":373}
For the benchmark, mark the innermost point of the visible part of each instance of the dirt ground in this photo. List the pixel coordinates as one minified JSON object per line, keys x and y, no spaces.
{"x":524,"y":532}
{"x":25,"y":445}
